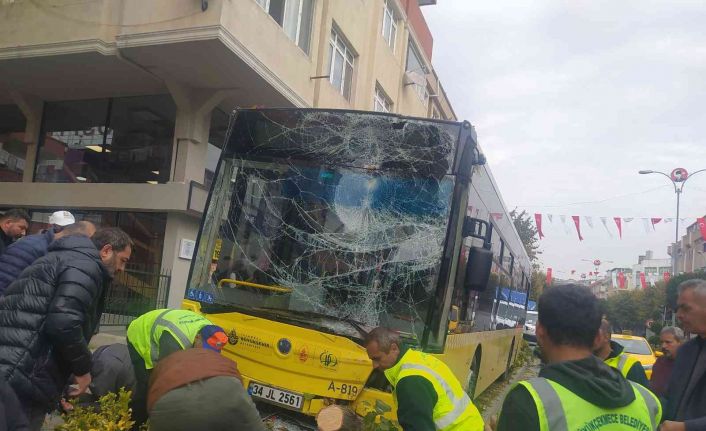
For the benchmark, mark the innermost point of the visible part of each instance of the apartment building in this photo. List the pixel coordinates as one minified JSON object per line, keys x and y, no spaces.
{"x":691,"y":250}
{"x":117,"y":109}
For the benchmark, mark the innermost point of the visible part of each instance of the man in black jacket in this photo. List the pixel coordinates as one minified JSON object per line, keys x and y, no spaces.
{"x":13,"y":226}
{"x":685,"y":407}
{"x":49,"y":314}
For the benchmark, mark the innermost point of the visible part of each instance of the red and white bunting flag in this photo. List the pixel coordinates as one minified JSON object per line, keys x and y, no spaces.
{"x":549,"y":276}
{"x":621,"y":280}
{"x":604,"y":220}
{"x":654,"y":221}
{"x":643,"y":281}
{"x":702,"y":226}
{"x":589,"y":221}
{"x":646,"y":224}
{"x":538,"y":221}
{"x":667,"y":276}
{"x":577,"y":223}
{"x":619,"y":223}
{"x":551,"y":218}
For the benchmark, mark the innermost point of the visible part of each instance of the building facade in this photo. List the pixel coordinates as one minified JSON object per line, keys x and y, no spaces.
{"x":691,"y":250}
{"x":116,"y":110}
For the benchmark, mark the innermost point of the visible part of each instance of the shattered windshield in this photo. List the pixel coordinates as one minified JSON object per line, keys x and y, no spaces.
{"x":346,"y":231}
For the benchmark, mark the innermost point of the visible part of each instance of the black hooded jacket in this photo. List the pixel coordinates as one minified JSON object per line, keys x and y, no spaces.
{"x":588,"y":378}
{"x":47,"y":317}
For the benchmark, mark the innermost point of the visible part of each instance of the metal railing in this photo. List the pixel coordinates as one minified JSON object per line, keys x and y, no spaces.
{"x":135,"y":291}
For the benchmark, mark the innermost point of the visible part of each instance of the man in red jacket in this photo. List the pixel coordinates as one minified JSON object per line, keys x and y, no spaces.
{"x":671,"y":338}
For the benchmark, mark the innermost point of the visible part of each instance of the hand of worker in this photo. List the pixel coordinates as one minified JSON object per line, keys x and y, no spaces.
{"x":492,"y":423}
{"x":81,"y":384}
{"x":672,"y":426}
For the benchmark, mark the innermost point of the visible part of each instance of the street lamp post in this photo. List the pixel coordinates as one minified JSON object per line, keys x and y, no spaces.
{"x":678,"y":177}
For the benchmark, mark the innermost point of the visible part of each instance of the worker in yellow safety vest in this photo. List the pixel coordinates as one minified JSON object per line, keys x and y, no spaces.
{"x":158,"y":333}
{"x":613,"y":355}
{"x":575,"y":390}
{"x":429,"y":397}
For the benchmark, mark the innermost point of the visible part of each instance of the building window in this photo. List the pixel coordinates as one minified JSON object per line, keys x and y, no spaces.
{"x":435,"y":112}
{"x":294,"y":16}
{"x":389,"y":25}
{"x":341,"y":66}
{"x":146,"y":229}
{"x":12,"y":147}
{"x":416,"y":66}
{"x":382,"y":102}
{"x":125,"y":140}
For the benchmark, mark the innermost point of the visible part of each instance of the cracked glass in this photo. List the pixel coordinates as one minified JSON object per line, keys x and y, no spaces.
{"x":328,"y":219}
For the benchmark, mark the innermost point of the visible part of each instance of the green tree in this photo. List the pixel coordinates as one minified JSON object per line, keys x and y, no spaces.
{"x":674,"y":282}
{"x":538,"y":281}
{"x":528,"y":233}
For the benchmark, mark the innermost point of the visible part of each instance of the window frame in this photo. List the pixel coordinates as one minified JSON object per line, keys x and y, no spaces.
{"x":265,"y":5}
{"x":336,"y":39}
{"x":421,"y":90}
{"x":380,"y":98}
{"x":389,"y":12}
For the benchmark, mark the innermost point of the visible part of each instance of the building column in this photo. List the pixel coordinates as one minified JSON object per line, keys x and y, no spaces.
{"x":193,"y":120}
{"x":32,"y":108}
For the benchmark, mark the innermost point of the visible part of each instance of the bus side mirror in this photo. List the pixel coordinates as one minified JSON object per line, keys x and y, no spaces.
{"x":480,"y":261}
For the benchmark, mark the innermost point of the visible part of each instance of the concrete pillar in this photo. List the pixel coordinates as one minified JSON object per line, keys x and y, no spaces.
{"x":32,"y":107}
{"x":193,"y":118}
{"x":179,"y":226}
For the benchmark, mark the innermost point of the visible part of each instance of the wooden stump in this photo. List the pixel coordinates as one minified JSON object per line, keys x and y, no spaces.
{"x":337,"y":418}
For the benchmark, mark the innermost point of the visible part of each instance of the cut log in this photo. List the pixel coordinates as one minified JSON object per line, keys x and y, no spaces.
{"x":338,"y":418}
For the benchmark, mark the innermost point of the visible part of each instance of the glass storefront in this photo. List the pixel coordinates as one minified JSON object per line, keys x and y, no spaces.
{"x":121,"y":140}
{"x":146,"y":230}
{"x":12,"y":146}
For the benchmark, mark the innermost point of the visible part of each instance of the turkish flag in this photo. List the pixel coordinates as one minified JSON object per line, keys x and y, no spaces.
{"x":621,"y":280}
{"x":619,"y":223}
{"x":549,"y":276}
{"x":577,"y":223}
{"x":643,"y":281}
{"x":538,"y":221}
{"x":702,"y":225}
{"x":654,"y":221}
{"x":667,"y":277}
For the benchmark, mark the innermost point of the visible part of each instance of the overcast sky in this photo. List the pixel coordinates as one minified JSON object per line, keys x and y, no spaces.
{"x":570,"y":100}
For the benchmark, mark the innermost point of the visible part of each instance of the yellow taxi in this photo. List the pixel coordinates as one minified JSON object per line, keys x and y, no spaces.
{"x":638,"y":348}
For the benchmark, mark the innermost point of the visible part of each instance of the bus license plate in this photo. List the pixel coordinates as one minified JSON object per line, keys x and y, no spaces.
{"x":276,"y":396}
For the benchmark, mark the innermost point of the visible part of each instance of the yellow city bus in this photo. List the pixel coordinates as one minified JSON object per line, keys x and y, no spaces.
{"x":322,"y":224}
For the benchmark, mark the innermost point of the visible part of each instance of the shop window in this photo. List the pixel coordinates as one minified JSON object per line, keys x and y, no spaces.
{"x":12,"y":146}
{"x":124,"y":140}
{"x":146,"y":230}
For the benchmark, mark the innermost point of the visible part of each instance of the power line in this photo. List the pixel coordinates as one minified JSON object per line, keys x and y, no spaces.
{"x":592,"y":202}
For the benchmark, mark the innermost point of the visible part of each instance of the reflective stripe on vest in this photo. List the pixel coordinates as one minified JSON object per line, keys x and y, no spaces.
{"x":181,"y":337}
{"x":553,"y":416}
{"x":653,"y":405}
{"x":460,"y":404}
{"x":622,"y":363}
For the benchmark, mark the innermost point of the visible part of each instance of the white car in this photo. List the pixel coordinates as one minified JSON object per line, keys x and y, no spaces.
{"x":530,"y":327}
